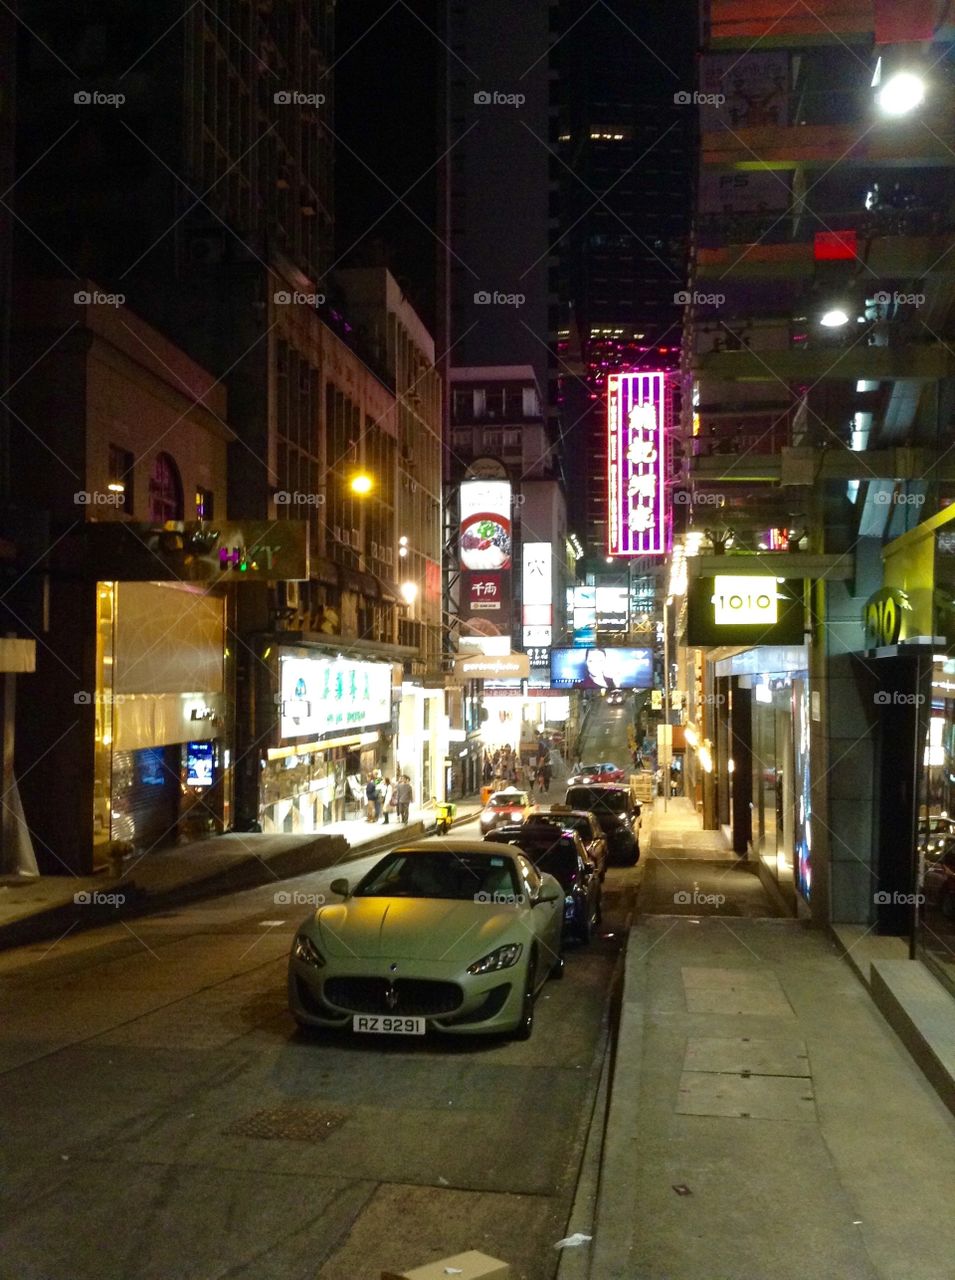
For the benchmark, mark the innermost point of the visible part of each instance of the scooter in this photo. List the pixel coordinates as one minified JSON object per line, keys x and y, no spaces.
{"x":444,"y":816}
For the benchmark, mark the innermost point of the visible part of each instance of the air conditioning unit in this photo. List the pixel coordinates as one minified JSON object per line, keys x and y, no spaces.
{"x":355,"y":538}
{"x":374,"y":550}
{"x":293,"y":595}
{"x":337,"y":532}
{"x":389,"y":556}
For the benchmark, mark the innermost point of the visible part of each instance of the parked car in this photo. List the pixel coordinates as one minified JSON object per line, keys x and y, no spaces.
{"x":446,"y":935}
{"x":509,"y":805}
{"x":935,"y":833}
{"x":618,"y":814}
{"x":606,"y":771}
{"x":579,"y":820}
{"x":562,"y":855}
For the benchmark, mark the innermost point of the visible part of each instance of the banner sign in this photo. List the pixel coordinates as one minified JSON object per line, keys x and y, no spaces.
{"x":326,"y":695}
{"x":636,"y":411}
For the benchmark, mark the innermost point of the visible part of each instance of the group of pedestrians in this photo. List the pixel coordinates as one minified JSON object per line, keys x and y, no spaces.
{"x":505,"y":768}
{"x":384,"y":798}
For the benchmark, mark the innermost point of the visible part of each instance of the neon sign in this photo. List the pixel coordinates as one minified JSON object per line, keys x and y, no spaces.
{"x":636,"y":411}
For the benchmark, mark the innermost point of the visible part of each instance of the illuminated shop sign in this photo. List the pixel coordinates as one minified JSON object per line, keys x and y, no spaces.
{"x":741,"y":600}
{"x":613,"y":609}
{"x":537,"y":582}
{"x":327,"y":695}
{"x":486,"y":525}
{"x":636,"y":460}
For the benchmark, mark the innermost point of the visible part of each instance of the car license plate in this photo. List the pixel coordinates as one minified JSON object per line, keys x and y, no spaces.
{"x":388,"y":1025}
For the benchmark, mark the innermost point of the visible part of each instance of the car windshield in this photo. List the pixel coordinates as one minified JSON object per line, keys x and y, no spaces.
{"x":508,"y":799}
{"x":599,"y":801}
{"x":459,"y":876}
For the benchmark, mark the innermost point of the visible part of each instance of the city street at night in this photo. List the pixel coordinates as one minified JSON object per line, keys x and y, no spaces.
{"x":477,"y":639}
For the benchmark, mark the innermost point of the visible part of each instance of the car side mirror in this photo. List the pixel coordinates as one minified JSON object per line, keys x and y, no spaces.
{"x":340,"y":886}
{"x":546,"y":894}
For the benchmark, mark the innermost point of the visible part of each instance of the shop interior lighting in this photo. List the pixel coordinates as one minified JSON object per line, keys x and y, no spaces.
{"x":834,"y":318}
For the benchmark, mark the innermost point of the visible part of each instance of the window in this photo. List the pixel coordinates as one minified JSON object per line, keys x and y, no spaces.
{"x":165,"y":490}
{"x":120,"y":481}
{"x":204,"y":504}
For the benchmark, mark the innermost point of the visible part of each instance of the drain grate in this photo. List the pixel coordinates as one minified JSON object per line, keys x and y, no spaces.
{"x":294,"y":1124}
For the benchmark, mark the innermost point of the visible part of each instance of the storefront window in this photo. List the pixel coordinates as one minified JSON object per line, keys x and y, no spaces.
{"x":936,"y":847}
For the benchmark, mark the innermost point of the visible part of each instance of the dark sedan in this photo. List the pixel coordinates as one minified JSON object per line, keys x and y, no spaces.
{"x":562,"y":855}
{"x":618,"y":814}
{"x":580,"y":820}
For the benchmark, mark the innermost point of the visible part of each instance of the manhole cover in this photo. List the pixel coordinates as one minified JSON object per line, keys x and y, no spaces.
{"x":295,"y":1124}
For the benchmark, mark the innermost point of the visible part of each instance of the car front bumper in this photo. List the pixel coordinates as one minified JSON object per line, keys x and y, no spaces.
{"x":492,"y":1003}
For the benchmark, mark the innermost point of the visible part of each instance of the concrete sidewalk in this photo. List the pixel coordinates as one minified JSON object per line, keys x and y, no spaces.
{"x":764,"y":1122}
{"x":45,"y":907}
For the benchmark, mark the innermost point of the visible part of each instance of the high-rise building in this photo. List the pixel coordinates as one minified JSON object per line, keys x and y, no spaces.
{"x":624,"y":164}
{"x":817,"y":417}
{"x":496,"y":227}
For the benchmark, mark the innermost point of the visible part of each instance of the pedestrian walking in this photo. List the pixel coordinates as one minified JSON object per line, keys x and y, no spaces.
{"x":387,"y":799}
{"x":403,"y":797}
{"x":371,"y":795}
{"x":548,"y":775}
{"x":541,"y":781}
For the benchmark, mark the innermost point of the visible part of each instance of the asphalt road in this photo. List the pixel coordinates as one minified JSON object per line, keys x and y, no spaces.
{"x":164,"y":1120}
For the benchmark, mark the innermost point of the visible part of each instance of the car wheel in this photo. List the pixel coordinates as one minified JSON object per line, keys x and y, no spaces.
{"x":525,"y":1027}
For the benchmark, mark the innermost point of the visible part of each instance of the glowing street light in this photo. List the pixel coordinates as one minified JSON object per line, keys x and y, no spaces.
{"x":361,"y":483}
{"x":834,"y":318}
{"x":901,"y":93}
{"x":409,"y":592}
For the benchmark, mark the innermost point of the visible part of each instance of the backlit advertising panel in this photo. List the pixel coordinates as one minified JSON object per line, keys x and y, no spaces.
{"x":538,"y":574}
{"x":486,"y":556}
{"x":613,"y":609}
{"x":486,"y":525}
{"x":636,"y":458}
{"x":329,"y":695}
{"x":597,"y":668}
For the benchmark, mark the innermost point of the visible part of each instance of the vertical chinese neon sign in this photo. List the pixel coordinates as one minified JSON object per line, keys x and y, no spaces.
{"x":636,"y":459}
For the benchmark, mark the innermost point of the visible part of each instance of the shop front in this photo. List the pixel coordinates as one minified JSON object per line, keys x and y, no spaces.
{"x":421,"y":752}
{"x":763,"y":793}
{"x":754,"y":740}
{"x":161,"y":763}
{"x":910,"y":631}
{"x":333,"y":729}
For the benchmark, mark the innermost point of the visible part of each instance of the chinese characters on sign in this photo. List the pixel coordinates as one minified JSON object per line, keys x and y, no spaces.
{"x":485,"y":591}
{"x":636,"y":457}
{"x":326,"y":695}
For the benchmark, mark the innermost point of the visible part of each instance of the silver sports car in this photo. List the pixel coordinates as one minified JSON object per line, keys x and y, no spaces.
{"x":450,"y":935}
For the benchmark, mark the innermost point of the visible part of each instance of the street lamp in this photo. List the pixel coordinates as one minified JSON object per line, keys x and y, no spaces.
{"x":901,"y":93}
{"x":409,"y":592}
{"x":361,"y":483}
{"x":834,"y":318}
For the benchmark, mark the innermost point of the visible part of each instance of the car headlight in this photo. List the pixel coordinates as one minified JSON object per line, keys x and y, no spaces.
{"x":516,"y":815}
{"x":304,"y":949}
{"x":502,"y":958}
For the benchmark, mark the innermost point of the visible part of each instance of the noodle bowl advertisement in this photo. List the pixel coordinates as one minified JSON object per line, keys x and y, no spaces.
{"x":486,"y":525}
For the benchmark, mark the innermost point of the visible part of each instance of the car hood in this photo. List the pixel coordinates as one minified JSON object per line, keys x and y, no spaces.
{"x":413,"y":928}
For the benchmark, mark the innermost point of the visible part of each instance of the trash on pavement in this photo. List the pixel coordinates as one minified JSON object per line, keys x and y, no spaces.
{"x":470,"y":1266}
{"x":570,"y":1241}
